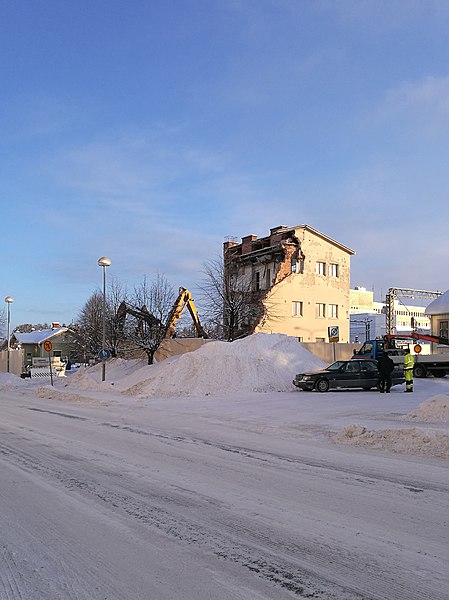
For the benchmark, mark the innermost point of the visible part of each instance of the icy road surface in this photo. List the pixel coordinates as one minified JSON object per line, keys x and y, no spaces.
{"x":245,"y":498}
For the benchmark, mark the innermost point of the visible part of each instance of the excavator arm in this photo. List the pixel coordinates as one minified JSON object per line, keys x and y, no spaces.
{"x":142,"y":315}
{"x":183,"y":300}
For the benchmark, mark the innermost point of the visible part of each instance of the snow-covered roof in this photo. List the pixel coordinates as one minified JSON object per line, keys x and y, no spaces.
{"x":37,"y":337}
{"x":439,"y":306}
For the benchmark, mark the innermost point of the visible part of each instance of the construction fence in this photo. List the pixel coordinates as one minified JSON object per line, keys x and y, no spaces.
{"x":15,"y":361}
{"x":330,"y":351}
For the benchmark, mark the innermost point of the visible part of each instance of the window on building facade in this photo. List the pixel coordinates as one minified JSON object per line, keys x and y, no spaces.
{"x":297,"y":265}
{"x":333,"y":311}
{"x":256,"y":281}
{"x":333,"y":270}
{"x":320,"y":310}
{"x":320,"y":268}
{"x":444,"y":329}
{"x":268,"y":279}
{"x":297,"y":308}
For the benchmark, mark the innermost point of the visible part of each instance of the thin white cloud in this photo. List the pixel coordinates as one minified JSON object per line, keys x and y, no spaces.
{"x":430,"y":95}
{"x":130,"y":165}
{"x":379,"y":17}
{"x":419,"y":108}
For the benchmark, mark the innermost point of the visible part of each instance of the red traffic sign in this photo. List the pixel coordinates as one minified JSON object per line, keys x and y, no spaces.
{"x":48,"y":346}
{"x":417,"y":348}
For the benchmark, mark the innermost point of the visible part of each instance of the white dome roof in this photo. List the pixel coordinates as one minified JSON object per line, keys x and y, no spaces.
{"x":439,"y":306}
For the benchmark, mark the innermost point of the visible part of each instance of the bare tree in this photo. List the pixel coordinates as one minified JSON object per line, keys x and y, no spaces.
{"x":147,"y":313}
{"x":3,"y":320}
{"x":232,"y":307}
{"x":116,"y":295}
{"x":89,"y":329}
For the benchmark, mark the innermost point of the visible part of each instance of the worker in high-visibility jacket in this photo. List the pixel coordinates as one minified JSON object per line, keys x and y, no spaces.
{"x":409,"y":363}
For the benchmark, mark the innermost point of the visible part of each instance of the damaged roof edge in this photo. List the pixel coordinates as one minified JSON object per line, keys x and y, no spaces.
{"x":294,"y":231}
{"x":325,"y":237}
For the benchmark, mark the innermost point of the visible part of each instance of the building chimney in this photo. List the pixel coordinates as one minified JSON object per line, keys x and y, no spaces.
{"x":247,"y":243}
{"x":276,"y":234}
{"x":228,"y":244}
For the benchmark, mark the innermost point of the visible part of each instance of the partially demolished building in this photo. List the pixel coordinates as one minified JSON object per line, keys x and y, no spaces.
{"x":295,"y":281}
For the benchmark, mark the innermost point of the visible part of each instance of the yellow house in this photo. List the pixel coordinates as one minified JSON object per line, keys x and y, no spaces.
{"x":299,"y":280}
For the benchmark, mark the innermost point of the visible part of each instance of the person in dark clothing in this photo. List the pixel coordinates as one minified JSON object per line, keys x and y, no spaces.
{"x":385,"y":367}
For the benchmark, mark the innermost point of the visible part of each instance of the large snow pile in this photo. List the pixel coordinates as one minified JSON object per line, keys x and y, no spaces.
{"x":418,"y":441}
{"x":89,"y":378}
{"x":258,"y":363}
{"x":433,"y":410}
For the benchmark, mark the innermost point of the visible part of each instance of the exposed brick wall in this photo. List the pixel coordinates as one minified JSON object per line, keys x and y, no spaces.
{"x":247,"y":243}
{"x":285,"y":267}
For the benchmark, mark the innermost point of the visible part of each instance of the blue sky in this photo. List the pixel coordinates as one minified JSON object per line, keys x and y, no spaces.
{"x":150,"y":131}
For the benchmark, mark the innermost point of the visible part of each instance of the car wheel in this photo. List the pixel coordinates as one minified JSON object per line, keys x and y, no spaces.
{"x":322,"y":385}
{"x":420,"y":371}
{"x":367,"y":389}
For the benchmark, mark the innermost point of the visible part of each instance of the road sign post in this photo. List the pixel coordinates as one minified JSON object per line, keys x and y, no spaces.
{"x":48,"y":346}
{"x":334,"y":335}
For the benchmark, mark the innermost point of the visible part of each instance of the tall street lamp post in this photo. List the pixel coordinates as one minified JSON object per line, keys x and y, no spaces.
{"x":104,"y":262}
{"x":8,"y":301}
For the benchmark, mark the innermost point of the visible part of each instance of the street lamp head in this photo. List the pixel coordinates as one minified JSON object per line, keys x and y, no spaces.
{"x":104,"y":261}
{"x":8,"y":299}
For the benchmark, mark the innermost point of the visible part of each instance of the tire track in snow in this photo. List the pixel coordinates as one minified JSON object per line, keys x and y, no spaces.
{"x":9,"y":576}
{"x":277,"y":460}
{"x":214,"y":529}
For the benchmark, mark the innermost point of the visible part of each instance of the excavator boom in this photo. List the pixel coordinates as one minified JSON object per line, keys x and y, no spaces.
{"x":183,"y":300}
{"x":167,"y":330}
{"x":416,"y":336}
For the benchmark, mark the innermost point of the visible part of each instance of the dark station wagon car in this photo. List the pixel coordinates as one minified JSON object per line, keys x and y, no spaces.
{"x":345,"y":374}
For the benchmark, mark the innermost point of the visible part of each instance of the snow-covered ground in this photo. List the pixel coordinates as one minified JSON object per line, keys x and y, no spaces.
{"x":272,"y":492}
{"x":265,"y":364}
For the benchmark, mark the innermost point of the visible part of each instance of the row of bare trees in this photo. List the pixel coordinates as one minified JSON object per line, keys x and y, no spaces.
{"x":136,"y":320}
